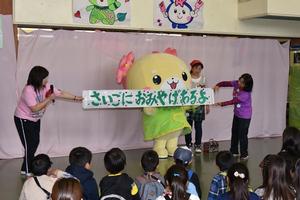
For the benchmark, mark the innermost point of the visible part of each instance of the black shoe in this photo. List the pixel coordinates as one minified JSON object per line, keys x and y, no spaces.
{"x":190,"y":146}
{"x":198,"y":149}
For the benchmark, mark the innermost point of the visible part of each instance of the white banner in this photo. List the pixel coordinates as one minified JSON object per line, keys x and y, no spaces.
{"x":146,"y":98}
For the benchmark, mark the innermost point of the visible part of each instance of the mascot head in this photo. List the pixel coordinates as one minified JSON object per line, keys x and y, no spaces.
{"x":154,"y":71}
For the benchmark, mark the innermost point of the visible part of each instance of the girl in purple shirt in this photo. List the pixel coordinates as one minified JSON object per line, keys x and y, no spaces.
{"x":35,"y":98}
{"x":242,"y":102}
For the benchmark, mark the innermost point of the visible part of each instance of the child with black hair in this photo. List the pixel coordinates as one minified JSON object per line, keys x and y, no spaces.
{"x":176,"y":185}
{"x":275,"y":185}
{"x":296,"y":178}
{"x":238,"y":175}
{"x":151,"y":183}
{"x":242,"y":102}
{"x":291,"y":141}
{"x":40,"y":186}
{"x":218,"y":186}
{"x":290,"y":150}
{"x":183,"y":156}
{"x":117,"y":183}
{"x":80,"y":159}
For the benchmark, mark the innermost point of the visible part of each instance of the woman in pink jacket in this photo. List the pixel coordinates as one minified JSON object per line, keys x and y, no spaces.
{"x":35,"y":98}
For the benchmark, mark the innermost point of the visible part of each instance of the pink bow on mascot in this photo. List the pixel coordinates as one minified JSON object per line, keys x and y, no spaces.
{"x":158,"y":71}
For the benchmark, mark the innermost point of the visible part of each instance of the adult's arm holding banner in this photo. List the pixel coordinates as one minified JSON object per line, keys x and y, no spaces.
{"x":99,"y":99}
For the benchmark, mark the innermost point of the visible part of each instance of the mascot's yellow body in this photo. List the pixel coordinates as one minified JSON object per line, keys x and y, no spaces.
{"x":159,"y":71}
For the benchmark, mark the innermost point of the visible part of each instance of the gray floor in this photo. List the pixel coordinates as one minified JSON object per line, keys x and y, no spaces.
{"x":204,"y":164}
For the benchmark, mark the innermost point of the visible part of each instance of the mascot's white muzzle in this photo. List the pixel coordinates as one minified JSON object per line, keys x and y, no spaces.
{"x":173,"y":83}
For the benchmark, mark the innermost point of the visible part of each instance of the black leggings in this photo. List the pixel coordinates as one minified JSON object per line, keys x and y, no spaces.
{"x":29,"y":133}
{"x":239,"y":135}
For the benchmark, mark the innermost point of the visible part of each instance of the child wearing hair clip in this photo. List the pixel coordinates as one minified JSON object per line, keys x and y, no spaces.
{"x":238,"y":176}
{"x":176,"y":185}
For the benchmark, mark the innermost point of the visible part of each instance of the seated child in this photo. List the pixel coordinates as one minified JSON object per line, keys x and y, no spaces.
{"x":40,"y":186}
{"x":275,"y":184}
{"x":238,"y":175}
{"x":67,"y":188}
{"x":151,"y":183}
{"x":183,"y":156}
{"x":218,"y":185}
{"x":80,"y":167}
{"x":117,"y":183}
{"x":176,"y":185}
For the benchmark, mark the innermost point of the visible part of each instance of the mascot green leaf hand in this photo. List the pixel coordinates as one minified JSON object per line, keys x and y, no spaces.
{"x":158,"y":71}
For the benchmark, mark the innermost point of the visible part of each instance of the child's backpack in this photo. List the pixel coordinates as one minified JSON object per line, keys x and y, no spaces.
{"x":190,"y":174}
{"x":150,"y":187}
{"x":112,"y":196}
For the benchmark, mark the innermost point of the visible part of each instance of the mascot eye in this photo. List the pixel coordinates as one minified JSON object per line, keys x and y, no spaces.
{"x":184,"y":76}
{"x":175,"y":11}
{"x":156,"y":80}
{"x":183,"y":12}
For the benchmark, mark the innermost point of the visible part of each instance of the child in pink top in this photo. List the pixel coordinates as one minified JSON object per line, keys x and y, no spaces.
{"x":35,"y":98}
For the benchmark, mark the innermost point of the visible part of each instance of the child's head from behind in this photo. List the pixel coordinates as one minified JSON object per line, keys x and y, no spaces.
{"x":176,"y":179}
{"x":224,"y":160}
{"x":66,"y":189}
{"x":41,"y":164}
{"x":246,"y":82}
{"x":264,"y":165}
{"x":238,"y":175}
{"x":149,"y":161}
{"x":183,"y":156}
{"x":114,"y":160}
{"x":291,"y":140}
{"x":277,"y":170}
{"x":80,"y":156}
{"x":276,"y":180}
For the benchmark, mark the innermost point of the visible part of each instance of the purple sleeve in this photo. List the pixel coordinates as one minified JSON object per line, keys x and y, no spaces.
{"x":231,"y":102}
{"x":226,"y":84}
{"x":235,"y":84}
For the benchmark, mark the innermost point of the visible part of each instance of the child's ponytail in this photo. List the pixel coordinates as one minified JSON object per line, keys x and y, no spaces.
{"x":238,"y":175}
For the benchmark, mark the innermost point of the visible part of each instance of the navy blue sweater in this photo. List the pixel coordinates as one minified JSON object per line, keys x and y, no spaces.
{"x":87,"y":181}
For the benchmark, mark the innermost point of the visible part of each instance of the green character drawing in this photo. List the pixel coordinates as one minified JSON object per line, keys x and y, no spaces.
{"x":104,"y":12}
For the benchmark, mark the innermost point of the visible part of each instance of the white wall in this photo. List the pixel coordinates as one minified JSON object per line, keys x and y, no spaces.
{"x":221,"y":17}
{"x":258,"y":8}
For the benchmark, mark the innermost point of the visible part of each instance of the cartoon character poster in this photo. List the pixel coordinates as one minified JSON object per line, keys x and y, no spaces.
{"x":178,"y":14}
{"x":101,"y":12}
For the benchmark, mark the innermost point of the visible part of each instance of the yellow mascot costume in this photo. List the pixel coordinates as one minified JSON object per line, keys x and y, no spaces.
{"x":158,"y":71}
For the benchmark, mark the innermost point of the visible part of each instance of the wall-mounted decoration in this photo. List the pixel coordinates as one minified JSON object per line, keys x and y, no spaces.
{"x":102,"y":12}
{"x":178,"y":14}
